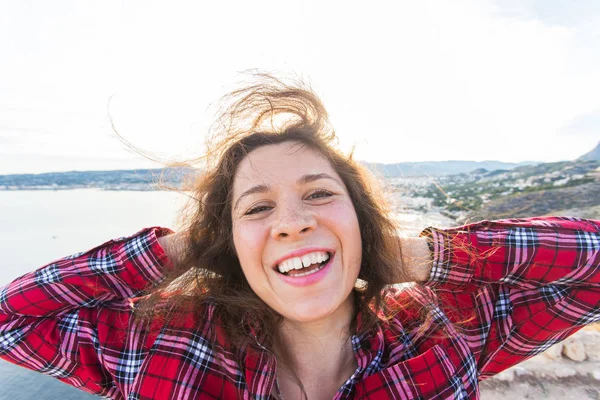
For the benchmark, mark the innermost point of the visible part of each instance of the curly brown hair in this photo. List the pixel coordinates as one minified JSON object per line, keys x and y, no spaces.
{"x":268,"y":112}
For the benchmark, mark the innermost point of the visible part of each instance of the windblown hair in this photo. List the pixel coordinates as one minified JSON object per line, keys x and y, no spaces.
{"x":268,"y":112}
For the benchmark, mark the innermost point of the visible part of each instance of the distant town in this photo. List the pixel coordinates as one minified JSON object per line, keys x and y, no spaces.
{"x":563,"y":188}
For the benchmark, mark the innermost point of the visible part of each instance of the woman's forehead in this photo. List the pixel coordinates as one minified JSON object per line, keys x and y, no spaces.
{"x":279,"y":163}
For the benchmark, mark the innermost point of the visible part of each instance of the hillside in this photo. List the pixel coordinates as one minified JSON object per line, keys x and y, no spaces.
{"x":579,"y":201}
{"x":142,"y":179}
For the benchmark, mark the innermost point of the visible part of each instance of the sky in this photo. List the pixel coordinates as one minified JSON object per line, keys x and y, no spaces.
{"x":507,"y":80}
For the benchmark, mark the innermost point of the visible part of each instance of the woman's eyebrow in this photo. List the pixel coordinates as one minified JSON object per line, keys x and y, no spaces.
{"x":304,"y":179}
{"x":314,"y":177}
{"x":255,"y":189}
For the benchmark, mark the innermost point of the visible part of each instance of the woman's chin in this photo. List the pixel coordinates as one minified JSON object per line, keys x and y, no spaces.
{"x":315,"y":310}
{"x":307,"y":316}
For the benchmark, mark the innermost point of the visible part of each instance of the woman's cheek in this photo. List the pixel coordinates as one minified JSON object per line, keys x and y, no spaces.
{"x":248,"y":238}
{"x":342,"y":216}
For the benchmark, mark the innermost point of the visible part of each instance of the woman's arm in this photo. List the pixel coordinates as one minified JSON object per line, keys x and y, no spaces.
{"x":65,"y":318}
{"x":521,"y":253}
{"x":515,"y":287}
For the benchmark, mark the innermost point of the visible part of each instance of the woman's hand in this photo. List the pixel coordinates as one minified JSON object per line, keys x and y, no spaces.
{"x":416,"y":259}
{"x":174,"y":246}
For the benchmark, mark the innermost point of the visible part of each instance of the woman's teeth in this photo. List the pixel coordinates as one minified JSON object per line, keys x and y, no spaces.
{"x":307,"y":260}
{"x":307,"y":271}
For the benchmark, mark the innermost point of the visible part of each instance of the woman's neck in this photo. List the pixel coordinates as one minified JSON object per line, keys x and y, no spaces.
{"x":319,"y":350}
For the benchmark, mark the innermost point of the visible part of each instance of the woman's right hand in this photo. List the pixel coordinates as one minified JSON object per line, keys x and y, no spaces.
{"x":174,"y":246}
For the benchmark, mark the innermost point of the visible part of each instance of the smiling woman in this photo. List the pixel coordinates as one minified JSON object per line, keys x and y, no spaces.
{"x":306,"y":210}
{"x":280,"y":283}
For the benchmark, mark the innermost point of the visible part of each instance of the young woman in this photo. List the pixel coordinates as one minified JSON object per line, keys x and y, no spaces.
{"x":279,"y":286}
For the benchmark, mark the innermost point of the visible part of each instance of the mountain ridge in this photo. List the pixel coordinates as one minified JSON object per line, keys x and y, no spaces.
{"x":151,"y":179}
{"x":592,"y":155}
{"x":149,"y":176}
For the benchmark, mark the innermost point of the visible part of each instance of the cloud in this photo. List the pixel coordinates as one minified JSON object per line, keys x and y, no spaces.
{"x":404,"y":81}
{"x":550,"y":12}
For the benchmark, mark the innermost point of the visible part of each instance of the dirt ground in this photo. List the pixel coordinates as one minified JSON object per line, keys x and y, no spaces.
{"x":565,"y":389}
{"x":553,"y":375}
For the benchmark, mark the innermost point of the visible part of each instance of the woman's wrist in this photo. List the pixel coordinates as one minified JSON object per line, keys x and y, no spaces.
{"x":416,"y":259}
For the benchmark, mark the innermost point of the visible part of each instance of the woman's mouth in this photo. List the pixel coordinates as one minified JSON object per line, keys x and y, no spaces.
{"x":313,"y":272}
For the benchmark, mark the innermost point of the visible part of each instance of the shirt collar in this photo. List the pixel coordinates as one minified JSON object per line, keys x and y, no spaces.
{"x":368,"y":347}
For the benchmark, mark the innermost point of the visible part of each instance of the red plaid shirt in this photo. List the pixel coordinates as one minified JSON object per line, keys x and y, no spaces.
{"x":517,"y":287}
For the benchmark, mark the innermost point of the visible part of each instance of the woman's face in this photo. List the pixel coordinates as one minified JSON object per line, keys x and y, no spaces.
{"x":291,"y":211}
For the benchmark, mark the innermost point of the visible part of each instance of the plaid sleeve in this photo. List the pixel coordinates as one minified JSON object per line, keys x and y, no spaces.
{"x":64,"y":318}
{"x":515,"y":287}
{"x":523,"y":253}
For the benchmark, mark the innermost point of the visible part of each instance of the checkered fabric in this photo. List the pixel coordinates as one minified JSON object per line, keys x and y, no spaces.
{"x":499,"y":293}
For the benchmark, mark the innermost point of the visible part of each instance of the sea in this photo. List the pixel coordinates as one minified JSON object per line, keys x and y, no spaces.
{"x":40,"y":226}
{"x":37,"y":227}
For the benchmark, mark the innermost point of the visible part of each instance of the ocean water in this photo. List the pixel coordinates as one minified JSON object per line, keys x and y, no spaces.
{"x":37,"y":227}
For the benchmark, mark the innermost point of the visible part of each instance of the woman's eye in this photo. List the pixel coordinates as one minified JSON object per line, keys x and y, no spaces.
{"x":257,"y":209}
{"x":319,"y":194}
{"x":314,"y":195}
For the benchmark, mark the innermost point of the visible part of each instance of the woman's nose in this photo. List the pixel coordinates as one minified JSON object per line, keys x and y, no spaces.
{"x":293,"y":221}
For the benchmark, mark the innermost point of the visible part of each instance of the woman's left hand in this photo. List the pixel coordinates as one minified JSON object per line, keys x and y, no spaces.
{"x":416,"y":259}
